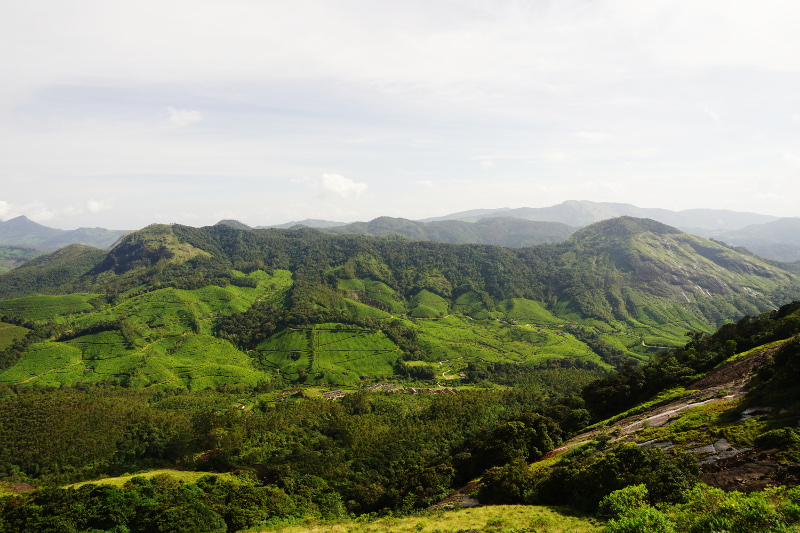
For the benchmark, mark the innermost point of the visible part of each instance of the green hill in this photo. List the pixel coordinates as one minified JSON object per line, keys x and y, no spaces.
{"x":303,"y":306}
{"x":13,"y":256}
{"x":701,"y":438}
{"x":498,"y":231}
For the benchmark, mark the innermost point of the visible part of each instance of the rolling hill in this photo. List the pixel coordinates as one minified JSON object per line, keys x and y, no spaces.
{"x":777,"y":239}
{"x":580,"y":213}
{"x":498,"y":231}
{"x":191,"y":307}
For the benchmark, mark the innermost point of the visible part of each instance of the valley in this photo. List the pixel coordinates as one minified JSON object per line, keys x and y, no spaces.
{"x":354,"y":375}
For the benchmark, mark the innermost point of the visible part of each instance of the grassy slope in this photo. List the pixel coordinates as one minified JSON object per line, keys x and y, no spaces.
{"x":10,"y":333}
{"x":494,"y":518}
{"x":169,"y":341}
{"x":603,"y":272}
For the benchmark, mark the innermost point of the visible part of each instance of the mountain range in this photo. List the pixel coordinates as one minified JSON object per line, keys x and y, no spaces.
{"x":386,"y":371}
{"x":768,"y":236}
{"x":612,"y":292}
{"x":23,"y":232}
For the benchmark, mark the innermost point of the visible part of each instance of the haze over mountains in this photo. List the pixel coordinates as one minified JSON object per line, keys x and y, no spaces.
{"x":21,"y":231}
{"x":766,"y":235}
{"x":611,"y":292}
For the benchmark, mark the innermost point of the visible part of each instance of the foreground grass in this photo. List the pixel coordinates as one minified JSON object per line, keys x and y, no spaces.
{"x":490,"y":518}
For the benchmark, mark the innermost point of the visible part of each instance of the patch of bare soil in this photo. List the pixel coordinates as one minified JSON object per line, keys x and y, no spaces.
{"x":17,"y":488}
{"x":459,"y":498}
{"x":750,"y":471}
{"x":735,"y":373}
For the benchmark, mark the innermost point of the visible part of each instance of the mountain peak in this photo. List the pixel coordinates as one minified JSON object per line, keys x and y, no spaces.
{"x":24,"y":231}
{"x":233,"y":223}
{"x":624,"y":226}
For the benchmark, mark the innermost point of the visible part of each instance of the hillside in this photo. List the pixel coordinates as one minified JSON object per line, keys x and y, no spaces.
{"x":777,"y":239}
{"x":303,"y":306}
{"x":717,"y":414}
{"x":13,"y":256}
{"x":727,"y":421}
{"x":498,"y":231}
{"x":583,"y":213}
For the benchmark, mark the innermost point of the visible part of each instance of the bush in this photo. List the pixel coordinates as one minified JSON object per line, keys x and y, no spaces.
{"x":623,"y":501}
{"x":777,"y":438}
{"x":641,"y":520}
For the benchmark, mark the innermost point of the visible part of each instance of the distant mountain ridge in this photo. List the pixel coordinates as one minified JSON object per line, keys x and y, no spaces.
{"x":579,"y":213}
{"x":776,"y":241}
{"x":498,"y":231}
{"x":309,"y":222}
{"x":21,"y":231}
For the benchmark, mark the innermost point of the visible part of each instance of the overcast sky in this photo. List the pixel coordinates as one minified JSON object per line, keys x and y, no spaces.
{"x":120,"y":114}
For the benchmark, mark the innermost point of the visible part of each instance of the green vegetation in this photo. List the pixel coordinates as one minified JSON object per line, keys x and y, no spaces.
{"x":13,"y":256}
{"x":499,"y":231}
{"x":214,"y":350}
{"x":9,"y":334}
{"x":493,"y":518}
{"x":774,"y":510}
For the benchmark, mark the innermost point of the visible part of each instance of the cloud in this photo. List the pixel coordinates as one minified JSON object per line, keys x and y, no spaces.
{"x":425,"y":183}
{"x":5,"y":209}
{"x":183,"y":117}
{"x":486,"y":165}
{"x":644,"y":152}
{"x":95,"y":206}
{"x":593,"y":136}
{"x":344,"y":187}
{"x":711,"y":114}
{"x":558,"y":157}
{"x":792,"y":159}
{"x":34,"y":210}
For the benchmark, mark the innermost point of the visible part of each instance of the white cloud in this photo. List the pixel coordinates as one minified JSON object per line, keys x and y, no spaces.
{"x":711,"y":114}
{"x":95,"y":206}
{"x":486,"y":165}
{"x":344,"y":187}
{"x":34,"y":210}
{"x":792,"y":159}
{"x":5,"y":209}
{"x":593,"y":136}
{"x":183,"y":117}
{"x":644,"y":152}
{"x":425,"y":183}
{"x":558,"y":157}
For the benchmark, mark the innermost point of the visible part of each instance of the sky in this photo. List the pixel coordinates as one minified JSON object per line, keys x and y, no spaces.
{"x":121,"y":114}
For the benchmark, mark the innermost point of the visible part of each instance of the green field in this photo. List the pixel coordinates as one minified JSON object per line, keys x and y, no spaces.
{"x":10,"y":333}
{"x":464,"y":339}
{"x":47,"y":307}
{"x":375,"y":290}
{"x":159,"y":338}
{"x":491,"y":518}
{"x":330,"y":353}
{"x":182,"y":476}
{"x":426,"y":304}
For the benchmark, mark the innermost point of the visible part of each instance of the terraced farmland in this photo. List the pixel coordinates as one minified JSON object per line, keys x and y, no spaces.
{"x":330,"y":353}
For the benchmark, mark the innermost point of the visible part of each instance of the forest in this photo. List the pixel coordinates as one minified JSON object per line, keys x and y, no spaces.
{"x":194,"y":364}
